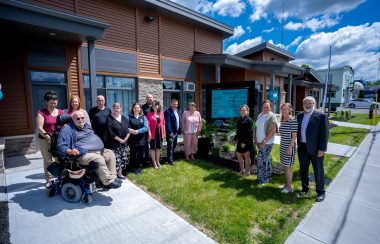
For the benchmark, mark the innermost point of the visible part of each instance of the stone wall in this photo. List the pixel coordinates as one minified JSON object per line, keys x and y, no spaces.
{"x":20,"y":145}
{"x":150,"y":86}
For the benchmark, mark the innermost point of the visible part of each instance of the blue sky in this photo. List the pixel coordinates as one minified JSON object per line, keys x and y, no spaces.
{"x":351,"y":27}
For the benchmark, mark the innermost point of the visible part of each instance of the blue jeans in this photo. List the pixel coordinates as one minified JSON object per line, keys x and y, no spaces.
{"x":264,"y":171}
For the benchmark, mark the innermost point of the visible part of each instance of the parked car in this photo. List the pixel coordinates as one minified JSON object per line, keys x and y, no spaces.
{"x":361,"y":103}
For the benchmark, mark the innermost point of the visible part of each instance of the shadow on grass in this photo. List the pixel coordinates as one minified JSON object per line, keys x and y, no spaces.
{"x":248,"y":186}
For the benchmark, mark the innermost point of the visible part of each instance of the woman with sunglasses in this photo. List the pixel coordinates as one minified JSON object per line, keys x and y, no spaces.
{"x":156,"y":132}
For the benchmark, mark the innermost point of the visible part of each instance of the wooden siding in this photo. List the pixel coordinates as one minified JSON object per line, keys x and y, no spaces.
{"x":61,"y":5}
{"x":122,"y":19}
{"x":231,"y":74}
{"x":176,"y":39}
{"x":14,"y":106}
{"x":148,"y":44}
{"x":73,"y":70}
{"x":208,"y":42}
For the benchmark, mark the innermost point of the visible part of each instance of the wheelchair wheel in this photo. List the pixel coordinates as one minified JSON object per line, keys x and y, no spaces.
{"x":71,"y":192}
{"x":87,"y":199}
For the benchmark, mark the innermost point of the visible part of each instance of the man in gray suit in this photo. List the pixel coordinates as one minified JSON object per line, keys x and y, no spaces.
{"x":312,"y":137}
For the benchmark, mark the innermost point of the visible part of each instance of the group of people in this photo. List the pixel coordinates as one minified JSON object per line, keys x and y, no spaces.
{"x":104,"y":135}
{"x":309,"y":130}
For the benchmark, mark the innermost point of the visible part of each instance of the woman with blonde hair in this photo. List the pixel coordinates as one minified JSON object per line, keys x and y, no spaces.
{"x":191,"y":127}
{"x":288,"y":131}
{"x":74,"y":105}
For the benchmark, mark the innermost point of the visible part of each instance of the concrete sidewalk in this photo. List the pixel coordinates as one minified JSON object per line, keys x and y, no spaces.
{"x":351,"y":210}
{"x":332,"y":148}
{"x":124,"y":215}
{"x":353,"y":125}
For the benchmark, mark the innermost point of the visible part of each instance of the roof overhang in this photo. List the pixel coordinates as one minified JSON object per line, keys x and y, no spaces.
{"x":175,"y":10}
{"x":306,"y":83}
{"x":39,"y":19}
{"x":266,"y":46}
{"x":278,"y":68}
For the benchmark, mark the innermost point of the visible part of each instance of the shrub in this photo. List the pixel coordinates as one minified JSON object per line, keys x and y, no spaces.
{"x":225,"y":137}
{"x":215,"y":152}
{"x":228,"y":147}
{"x":347,"y":115}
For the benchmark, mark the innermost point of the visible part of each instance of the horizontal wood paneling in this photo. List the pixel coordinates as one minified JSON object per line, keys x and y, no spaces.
{"x":207,"y":42}
{"x":149,"y":63}
{"x":122,"y":19}
{"x":148,"y":44}
{"x":13,"y":107}
{"x":61,"y":5}
{"x":176,"y":39}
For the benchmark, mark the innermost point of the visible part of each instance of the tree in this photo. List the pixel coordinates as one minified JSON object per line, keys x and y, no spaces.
{"x":305,"y":66}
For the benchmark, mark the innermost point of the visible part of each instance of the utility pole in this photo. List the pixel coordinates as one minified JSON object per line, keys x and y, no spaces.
{"x":327,"y":80}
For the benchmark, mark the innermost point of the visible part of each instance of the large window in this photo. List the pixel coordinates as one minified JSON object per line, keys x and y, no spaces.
{"x":184,"y":92}
{"x":114,"y":89}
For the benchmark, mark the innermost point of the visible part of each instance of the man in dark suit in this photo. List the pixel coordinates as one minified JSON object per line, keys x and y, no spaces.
{"x":312,"y":137}
{"x":173,"y":128}
{"x":146,"y":109}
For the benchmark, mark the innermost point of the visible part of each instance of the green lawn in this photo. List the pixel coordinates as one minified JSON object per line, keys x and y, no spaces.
{"x":347,"y":135}
{"x":363,"y":119}
{"x":230,"y":208}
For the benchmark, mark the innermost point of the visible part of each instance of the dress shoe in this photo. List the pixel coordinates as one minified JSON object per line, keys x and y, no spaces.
{"x":302,"y":193}
{"x":118,"y":180}
{"x":320,"y":198}
{"x":171,"y":163}
{"x":114,"y":184}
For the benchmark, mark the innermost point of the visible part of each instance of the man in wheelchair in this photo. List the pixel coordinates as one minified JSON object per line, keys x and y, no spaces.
{"x":79,"y":140}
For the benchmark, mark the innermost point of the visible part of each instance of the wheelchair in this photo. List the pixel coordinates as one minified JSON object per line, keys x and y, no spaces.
{"x":74,"y":182}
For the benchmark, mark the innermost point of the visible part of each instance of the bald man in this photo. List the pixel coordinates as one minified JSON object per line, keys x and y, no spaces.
{"x":98,"y":116}
{"x":78,"y":139}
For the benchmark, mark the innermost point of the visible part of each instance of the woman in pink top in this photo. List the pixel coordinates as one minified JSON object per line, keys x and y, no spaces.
{"x":156,"y":132}
{"x":45,"y":121}
{"x":191,"y":127}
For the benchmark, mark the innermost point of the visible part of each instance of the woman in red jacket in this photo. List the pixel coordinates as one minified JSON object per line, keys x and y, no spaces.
{"x":156,"y":132}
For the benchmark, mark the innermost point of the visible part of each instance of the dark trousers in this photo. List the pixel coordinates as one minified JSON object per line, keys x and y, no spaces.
{"x":146,"y":151}
{"x":317,"y":163}
{"x":137,"y":156}
{"x":171,"y":144}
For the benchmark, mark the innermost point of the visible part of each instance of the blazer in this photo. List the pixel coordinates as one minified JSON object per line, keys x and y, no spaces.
{"x":170,"y":122}
{"x":317,"y":132}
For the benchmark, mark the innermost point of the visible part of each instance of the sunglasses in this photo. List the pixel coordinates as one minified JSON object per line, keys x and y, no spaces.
{"x":79,"y":118}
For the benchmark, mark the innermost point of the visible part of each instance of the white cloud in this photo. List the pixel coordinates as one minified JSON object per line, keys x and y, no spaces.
{"x":249,"y":29}
{"x":268,"y":30}
{"x":238,"y":32}
{"x":232,"y":8}
{"x":357,"y":46}
{"x":313,"y":24}
{"x":295,"y":42}
{"x":237,"y":48}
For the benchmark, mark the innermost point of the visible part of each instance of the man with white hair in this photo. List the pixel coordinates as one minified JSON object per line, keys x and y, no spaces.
{"x":312,"y":137}
{"x":78,"y":139}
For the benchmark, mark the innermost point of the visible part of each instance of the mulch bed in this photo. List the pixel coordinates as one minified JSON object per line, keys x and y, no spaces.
{"x":4,"y":223}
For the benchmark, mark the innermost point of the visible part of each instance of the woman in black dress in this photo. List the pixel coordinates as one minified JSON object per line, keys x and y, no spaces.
{"x":244,"y":137}
{"x":138,"y":125}
{"x":117,"y":137}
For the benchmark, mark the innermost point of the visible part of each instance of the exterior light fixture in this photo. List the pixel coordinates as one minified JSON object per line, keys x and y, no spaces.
{"x":149,"y":18}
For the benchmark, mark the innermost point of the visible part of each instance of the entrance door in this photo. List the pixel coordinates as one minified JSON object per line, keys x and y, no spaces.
{"x":38,"y":93}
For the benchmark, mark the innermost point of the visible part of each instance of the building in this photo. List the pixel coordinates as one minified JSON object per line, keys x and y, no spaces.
{"x":343,"y":79}
{"x":121,"y":49}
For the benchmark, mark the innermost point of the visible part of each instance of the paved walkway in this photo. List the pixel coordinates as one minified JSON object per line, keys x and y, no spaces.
{"x":124,"y":215}
{"x":360,"y":126}
{"x":351,"y":210}
{"x":332,"y":148}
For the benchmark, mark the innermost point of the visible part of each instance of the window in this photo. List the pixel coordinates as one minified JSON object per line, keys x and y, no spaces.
{"x":115,"y":89}
{"x":47,"y":77}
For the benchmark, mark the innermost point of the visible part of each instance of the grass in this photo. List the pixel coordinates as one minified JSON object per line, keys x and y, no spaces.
{"x":230,"y":208}
{"x":362,"y":119}
{"x":347,"y":135}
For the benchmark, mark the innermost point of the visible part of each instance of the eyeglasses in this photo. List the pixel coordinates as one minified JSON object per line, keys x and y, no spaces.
{"x":79,"y":118}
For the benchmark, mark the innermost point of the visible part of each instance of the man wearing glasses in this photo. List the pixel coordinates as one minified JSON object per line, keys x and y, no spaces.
{"x":78,"y":139}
